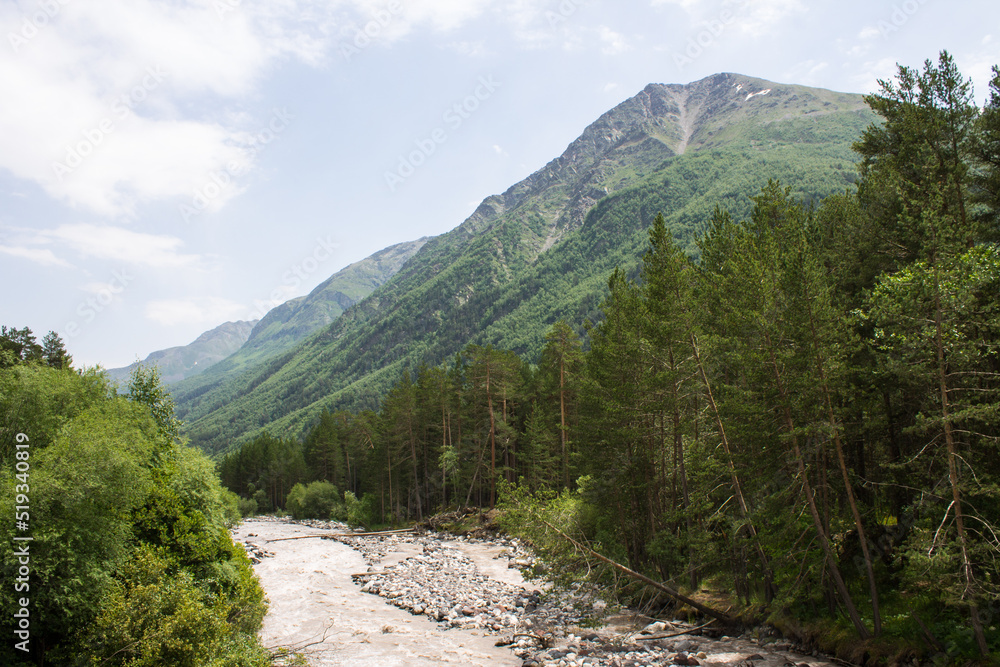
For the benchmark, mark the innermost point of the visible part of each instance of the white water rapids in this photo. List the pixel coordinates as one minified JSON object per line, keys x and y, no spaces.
{"x":317,"y":609}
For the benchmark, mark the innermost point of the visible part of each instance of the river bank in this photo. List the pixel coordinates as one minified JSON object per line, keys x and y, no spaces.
{"x":438,"y":599}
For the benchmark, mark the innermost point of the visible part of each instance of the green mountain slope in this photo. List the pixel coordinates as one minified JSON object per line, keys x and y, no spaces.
{"x":544,"y":248}
{"x":288,"y":324}
{"x":177,"y":363}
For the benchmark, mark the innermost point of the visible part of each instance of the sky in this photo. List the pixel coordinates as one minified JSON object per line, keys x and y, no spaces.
{"x":170,"y":165}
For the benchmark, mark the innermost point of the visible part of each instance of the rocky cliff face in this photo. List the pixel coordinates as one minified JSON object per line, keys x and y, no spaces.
{"x":660,"y":122}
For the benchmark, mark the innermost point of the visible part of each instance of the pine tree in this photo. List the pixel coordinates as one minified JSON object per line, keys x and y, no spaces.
{"x":18,"y":346}
{"x":619,"y":454}
{"x":756,"y":308}
{"x":986,"y":179}
{"x":926,"y":149}
{"x":54,"y":351}
{"x":560,"y":368}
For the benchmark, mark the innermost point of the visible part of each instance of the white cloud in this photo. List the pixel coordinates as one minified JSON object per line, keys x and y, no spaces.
{"x":686,"y":5}
{"x":613,"y":42}
{"x":868,"y":74}
{"x":100,"y":88}
{"x":754,"y":17}
{"x":100,"y":288}
{"x":123,"y":245}
{"x":119,"y":80}
{"x":760,"y":17}
{"x":500,"y":151}
{"x":806,"y":73}
{"x":540,"y":24}
{"x":42,"y":256}
{"x":200,"y":311}
{"x":475,"y":49}
{"x":440,"y":14}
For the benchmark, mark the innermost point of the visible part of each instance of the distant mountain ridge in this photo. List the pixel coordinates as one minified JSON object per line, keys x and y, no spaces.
{"x":543,"y":249}
{"x":178,"y":363}
{"x":284,"y":326}
{"x":238,"y":345}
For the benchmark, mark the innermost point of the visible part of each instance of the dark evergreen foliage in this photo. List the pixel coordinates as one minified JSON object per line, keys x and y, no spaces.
{"x":788,"y":399}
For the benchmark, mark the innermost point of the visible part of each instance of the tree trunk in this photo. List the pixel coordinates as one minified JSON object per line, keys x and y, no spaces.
{"x":835,"y":429}
{"x":562,"y":421}
{"x":708,"y":611}
{"x":493,"y":441}
{"x":416,"y":472}
{"x":845,"y":595}
{"x":770,"y":590}
{"x":956,"y":493}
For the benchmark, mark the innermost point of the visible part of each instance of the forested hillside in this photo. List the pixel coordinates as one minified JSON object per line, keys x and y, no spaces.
{"x":542,"y":251}
{"x":288,"y":323}
{"x":791,"y":403}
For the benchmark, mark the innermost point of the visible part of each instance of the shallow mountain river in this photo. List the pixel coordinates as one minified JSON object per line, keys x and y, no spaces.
{"x":434,"y":599}
{"x":317,"y":609}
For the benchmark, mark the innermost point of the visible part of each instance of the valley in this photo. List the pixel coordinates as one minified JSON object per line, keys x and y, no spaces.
{"x":732,"y":359}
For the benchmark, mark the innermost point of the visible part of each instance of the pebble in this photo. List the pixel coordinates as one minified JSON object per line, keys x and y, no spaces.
{"x":444,"y":585}
{"x":255,"y":552}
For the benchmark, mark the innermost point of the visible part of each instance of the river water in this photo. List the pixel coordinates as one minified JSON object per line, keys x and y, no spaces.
{"x":318,"y":610}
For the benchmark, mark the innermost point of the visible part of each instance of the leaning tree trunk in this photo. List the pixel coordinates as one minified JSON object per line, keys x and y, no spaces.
{"x":824,"y":541}
{"x":956,"y":493}
{"x":859,"y":526}
{"x":770,"y":591}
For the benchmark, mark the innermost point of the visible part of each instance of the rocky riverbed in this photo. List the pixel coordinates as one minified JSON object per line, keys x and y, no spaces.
{"x":437,"y":599}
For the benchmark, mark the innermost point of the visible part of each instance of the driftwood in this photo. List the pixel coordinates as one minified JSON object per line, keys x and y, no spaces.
{"x":674,"y":634}
{"x":708,"y":611}
{"x":379,"y":532}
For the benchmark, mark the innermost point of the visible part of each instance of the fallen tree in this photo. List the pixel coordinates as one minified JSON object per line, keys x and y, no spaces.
{"x":328,"y":535}
{"x":524,"y":514}
{"x":638,"y":576}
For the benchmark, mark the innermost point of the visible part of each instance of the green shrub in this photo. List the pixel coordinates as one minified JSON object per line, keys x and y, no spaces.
{"x":263,"y":504}
{"x":361,"y":512}
{"x":130,"y":545}
{"x":247,"y":507}
{"x":155,"y":616}
{"x":316,"y":500}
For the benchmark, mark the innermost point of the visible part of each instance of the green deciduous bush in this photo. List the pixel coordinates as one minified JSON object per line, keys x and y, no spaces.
{"x":155,"y":615}
{"x":316,"y":500}
{"x":361,"y":511}
{"x":131,"y":561}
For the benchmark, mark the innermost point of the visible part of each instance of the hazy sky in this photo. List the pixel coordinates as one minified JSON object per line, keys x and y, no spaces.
{"x":168,"y":165}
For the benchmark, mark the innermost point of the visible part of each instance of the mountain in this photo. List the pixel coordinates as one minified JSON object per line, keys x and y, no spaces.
{"x":284,"y":326}
{"x":178,"y":363}
{"x":543,"y":250}
{"x":235,"y":346}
